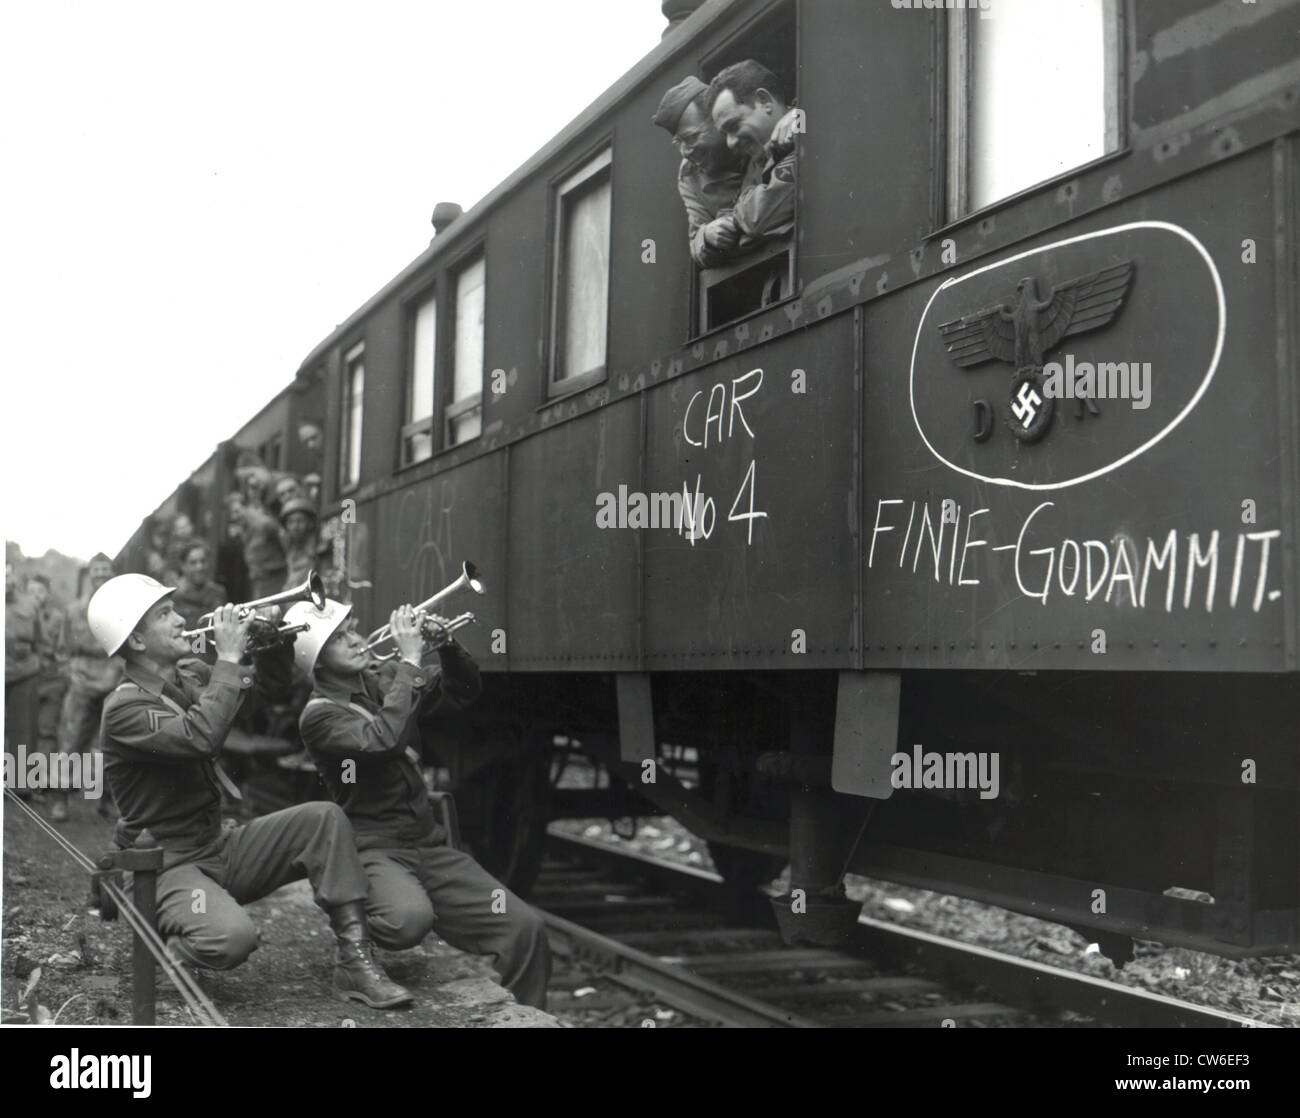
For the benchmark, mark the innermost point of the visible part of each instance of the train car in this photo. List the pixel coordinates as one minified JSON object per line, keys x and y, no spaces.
{"x":952,"y":532}
{"x":195,"y":497}
{"x":285,"y":435}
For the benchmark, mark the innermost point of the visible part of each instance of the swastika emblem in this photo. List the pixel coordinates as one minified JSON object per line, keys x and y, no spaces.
{"x":1030,"y":409}
{"x":1026,"y":404}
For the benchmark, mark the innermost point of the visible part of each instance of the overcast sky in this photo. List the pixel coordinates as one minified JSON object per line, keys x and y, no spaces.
{"x":194,"y":194}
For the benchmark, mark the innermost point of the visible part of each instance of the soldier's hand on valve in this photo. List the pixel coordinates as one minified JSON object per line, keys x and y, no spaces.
{"x":230,"y":633}
{"x":407,"y":632}
{"x":435,"y":630}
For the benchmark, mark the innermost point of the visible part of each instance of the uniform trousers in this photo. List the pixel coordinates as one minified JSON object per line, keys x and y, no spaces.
{"x":418,"y":889}
{"x":79,"y":719}
{"x":200,"y":896}
{"x":50,"y":692}
{"x":21,"y":698}
{"x":78,"y":730}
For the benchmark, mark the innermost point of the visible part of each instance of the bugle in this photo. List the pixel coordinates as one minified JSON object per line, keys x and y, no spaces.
{"x":311,"y":589}
{"x":468,"y":580}
{"x":436,"y":631}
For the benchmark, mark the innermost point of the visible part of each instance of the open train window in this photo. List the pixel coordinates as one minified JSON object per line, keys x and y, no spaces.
{"x":763,"y":273}
{"x":271,"y":453}
{"x":1033,"y":93}
{"x":354,"y":386}
{"x":580,"y":282}
{"x":417,"y":431}
{"x":464,"y":413}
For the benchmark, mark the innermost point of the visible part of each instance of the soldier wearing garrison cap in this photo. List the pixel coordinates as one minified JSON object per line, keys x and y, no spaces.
{"x":710,"y":174}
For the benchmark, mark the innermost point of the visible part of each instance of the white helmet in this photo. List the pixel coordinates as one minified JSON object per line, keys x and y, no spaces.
{"x":323,"y":622}
{"x":115,"y":609}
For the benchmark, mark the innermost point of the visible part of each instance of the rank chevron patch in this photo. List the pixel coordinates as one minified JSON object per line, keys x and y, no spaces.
{"x":156,"y":717}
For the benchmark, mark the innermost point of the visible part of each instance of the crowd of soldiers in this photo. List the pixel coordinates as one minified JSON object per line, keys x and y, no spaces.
{"x":272,"y":540}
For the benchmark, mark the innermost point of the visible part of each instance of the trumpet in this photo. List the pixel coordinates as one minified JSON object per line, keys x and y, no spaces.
{"x":468,"y":580}
{"x":311,"y":589}
{"x":436,"y":631}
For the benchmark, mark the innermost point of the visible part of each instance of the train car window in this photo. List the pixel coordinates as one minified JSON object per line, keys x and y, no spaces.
{"x":354,"y":384}
{"x":1033,"y":94}
{"x":417,"y":432}
{"x":465,"y":412}
{"x":271,"y":455}
{"x":580,"y":304}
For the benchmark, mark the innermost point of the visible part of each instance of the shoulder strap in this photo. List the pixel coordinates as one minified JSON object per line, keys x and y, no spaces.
{"x":316,"y":700}
{"x":369,"y":716}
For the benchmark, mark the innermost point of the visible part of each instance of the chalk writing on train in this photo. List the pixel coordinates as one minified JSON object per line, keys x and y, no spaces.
{"x":1187,"y":569}
{"x":709,"y":421}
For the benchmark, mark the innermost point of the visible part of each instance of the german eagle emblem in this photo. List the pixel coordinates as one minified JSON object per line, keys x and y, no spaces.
{"x":1023,"y":332}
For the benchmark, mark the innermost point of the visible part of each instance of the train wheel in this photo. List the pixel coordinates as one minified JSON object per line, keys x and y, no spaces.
{"x":504,"y":808}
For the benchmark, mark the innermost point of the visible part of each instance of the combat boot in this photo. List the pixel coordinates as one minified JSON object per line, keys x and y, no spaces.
{"x":357,"y":976}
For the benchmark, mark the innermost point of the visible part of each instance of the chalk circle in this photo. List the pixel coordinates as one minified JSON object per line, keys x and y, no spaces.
{"x":1128,"y":457}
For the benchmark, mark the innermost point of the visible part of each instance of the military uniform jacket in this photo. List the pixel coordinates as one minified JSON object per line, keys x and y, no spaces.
{"x":706,"y":195}
{"x":21,"y":636}
{"x":160,"y":752}
{"x":361,"y":733}
{"x":765,"y":205}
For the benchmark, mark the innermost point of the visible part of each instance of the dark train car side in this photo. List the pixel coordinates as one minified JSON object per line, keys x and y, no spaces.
{"x":855,"y":496}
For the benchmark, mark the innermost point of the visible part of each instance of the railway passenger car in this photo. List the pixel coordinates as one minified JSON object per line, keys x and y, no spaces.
{"x":954,"y":532}
{"x":284,"y":435}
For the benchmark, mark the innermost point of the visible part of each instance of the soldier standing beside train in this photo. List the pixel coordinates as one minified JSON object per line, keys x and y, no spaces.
{"x":301,"y":545}
{"x":360,"y":727}
{"x":196,"y":594}
{"x":22,"y":665}
{"x":92,"y":675}
{"x":53,"y":679}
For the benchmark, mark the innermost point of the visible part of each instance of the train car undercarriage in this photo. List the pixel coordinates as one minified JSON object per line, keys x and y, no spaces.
{"x":1146,"y":806}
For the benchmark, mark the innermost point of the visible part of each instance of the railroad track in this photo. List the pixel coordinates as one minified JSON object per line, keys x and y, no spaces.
{"x":642,"y":941}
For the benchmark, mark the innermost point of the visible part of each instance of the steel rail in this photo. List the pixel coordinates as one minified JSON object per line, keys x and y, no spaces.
{"x":1032,"y":986}
{"x":673,"y":983}
{"x":197,"y":1001}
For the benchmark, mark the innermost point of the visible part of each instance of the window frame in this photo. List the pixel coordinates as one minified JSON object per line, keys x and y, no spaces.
{"x":452,"y":408}
{"x":351,"y":356}
{"x":599,"y":161}
{"x":430,"y":294}
{"x":953,"y":99}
